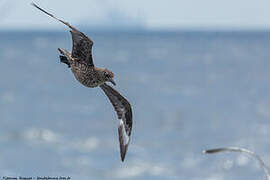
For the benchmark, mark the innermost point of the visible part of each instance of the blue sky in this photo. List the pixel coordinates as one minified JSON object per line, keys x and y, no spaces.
{"x":150,"y":14}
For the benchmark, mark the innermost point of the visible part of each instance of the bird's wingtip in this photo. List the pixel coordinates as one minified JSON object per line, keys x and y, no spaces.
{"x":123,"y":140}
{"x":212,"y":151}
{"x":123,"y":151}
{"x":33,"y":4}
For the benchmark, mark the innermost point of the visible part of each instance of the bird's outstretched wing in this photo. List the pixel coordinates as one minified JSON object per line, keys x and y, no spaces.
{"x":81,"y":44}
{"x":241,"y":150}
{"x":124,"y":112}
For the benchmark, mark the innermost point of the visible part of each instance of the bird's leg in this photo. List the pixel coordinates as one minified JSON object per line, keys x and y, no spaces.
{"x":63,"y":59}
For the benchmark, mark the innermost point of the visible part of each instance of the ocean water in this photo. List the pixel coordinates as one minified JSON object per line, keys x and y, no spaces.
{"x":189,"y":91}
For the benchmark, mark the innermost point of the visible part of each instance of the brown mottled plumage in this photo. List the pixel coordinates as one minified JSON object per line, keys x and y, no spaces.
{"x":81,"y":63}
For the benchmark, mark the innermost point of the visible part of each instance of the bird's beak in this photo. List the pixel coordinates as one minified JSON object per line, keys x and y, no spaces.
{"x":112,"y":81}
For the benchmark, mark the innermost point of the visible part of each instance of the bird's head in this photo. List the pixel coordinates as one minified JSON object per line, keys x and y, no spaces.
{"x":108,"y":75}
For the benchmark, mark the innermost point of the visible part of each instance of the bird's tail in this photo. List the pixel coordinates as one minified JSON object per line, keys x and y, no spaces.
{"x":65,"y":57}
{"x":64,"y":52}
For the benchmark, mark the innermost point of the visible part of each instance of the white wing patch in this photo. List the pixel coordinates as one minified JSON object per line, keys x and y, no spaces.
{"x":123,"y":132}
{"x":124,"y":113}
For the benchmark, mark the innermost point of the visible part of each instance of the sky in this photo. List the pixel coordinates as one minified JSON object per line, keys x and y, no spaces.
{"x":150,"y":14}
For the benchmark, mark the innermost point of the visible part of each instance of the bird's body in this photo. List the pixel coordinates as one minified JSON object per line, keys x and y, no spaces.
{"x":89,"y":76}
{"x":81,"y":63}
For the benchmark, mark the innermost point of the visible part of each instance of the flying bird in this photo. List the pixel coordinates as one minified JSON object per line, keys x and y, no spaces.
{"x":241,"y":150}
{"x":80,"y":61}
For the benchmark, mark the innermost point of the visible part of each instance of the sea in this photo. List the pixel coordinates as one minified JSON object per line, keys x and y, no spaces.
{"x":189,"y":91}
